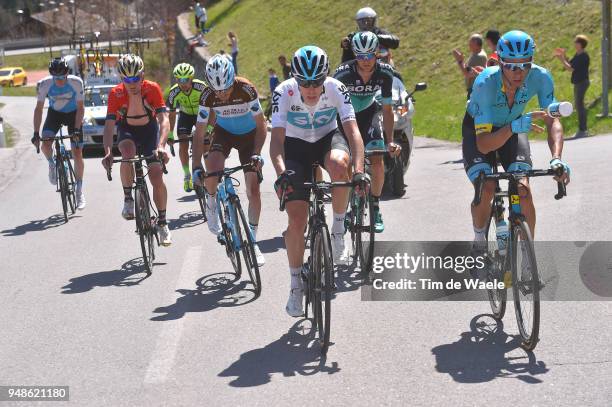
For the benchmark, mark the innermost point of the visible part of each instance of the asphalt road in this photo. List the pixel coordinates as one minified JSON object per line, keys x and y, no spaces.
{"x":78,"y":310}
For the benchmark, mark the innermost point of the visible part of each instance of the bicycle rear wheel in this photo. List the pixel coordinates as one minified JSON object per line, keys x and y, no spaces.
{"x":248,"y":248}
{"x":525,"y":285}
{"x":62,"y":180}
{"x":227,"y":215}
{"x":201,"y":195}
{"x":71,"y":187}
{"x":496,"y":267}
{"x":144,"y":226}
{"x":322,"y":273}
{"x":364,"y":230}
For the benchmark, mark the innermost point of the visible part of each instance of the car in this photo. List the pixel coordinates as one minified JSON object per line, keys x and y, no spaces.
{"x":13,"y":76}
{"x":96,"y":99}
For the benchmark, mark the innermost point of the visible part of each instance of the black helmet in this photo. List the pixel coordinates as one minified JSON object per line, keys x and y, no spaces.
{"x":58,"y":67}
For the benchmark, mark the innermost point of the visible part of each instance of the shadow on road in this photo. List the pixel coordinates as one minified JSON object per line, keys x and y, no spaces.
{"x":36,"y":226}
{"x":348,"y":278}
{"x":188,"y":198}
{"x":124,"y":277}
{"x":295,"y":353}
{"x":486,"y":353}
{"x":271,"y":245}
{"x":213,"y":291}
{"x":186,"y":220}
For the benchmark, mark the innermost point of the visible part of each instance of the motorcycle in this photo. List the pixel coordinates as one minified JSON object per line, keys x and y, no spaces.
{"x":403,"y":134}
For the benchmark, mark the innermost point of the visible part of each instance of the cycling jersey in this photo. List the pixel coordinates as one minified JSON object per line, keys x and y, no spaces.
{"x":237,"y":114}
{"x":310,"y":123}
{"x":488,"y":104}
{"x":118,"y":100}
{"x":186,"y":103}
{"x":61,"y":98}
{"x":362,"y":94}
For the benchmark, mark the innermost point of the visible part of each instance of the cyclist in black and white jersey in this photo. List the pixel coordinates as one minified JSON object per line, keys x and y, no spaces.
{"x":364,"y":77}
{"x":305,"y":131}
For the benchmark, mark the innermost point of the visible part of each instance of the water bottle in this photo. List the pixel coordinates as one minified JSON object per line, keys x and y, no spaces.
{"x":502,"y":236}
{"x":560,"y":109}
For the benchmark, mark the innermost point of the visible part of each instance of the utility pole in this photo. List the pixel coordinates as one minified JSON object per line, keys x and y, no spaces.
{"x":605,"y":56}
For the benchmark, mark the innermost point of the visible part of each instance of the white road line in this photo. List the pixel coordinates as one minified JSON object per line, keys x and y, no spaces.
{"x":162,"y":359}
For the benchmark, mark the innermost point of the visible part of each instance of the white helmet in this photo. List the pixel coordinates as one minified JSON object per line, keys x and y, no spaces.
{"x":130,"y":65}
{"x":366,"y":12}
{"x":364,"y":42}
{"x":366,"y":19}
{"x":220,"y":72}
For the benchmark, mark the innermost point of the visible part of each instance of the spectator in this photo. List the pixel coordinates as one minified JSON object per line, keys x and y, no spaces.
{"x":475,"y":63}
{"x":273,"y":84}
{"x":200,"y":17}
{"x":579,"y":67}
{"x":234,"y":44}
{"x":491,"y":37}
{"x":282,"y":60}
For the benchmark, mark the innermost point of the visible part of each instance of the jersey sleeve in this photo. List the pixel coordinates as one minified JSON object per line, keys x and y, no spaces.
{"x":280,"y":106}
{"x":481,"y":100}
{"x":546,"y":93}
{"x":113,"y":105}
{"x":386,"y":90}
{"x":343,"y":102}
{"x":77,"y":86}
{"x":172,"y":100}
{"x":42,"y":89}
{"x":253,"y":99}
{"x":156,"y":98}
{"x":204,"y":110}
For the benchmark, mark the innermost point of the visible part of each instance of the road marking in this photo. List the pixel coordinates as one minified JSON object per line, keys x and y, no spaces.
{"x":162,"y":359}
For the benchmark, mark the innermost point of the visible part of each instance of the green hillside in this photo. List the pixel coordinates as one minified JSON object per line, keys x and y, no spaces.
{"x":429,"y":30}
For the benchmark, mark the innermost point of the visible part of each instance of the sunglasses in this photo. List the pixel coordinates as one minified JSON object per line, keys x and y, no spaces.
{"x":365,"y":57}
{"x":131,"y":79}
{"x":60,"y":77}
{"x":514,"y":66}
{"x":311,"y":84}
{"x":183,"y":80}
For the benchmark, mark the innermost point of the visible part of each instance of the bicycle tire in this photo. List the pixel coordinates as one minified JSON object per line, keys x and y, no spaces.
{"x":323,"y":282}
{"x":248,"y":250}
{"x":62,"y":183}
{"x":143,"y":224}
{"x":71,"y":186}
{"x":225,"y":217}
{"x":201,"y":195}
{"x":521,"y":238}
{"x":365,"y":233}
{"x":496,"y":267}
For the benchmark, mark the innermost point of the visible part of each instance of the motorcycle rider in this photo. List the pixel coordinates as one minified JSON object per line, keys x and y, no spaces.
{"x":366,"y":21}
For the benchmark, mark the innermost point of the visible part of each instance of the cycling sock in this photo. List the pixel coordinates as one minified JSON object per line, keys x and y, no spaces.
{"x":338,"y":225}
{"x":479,"y":234}
{"x":161,"y":219}
{"x":127,"y":193}
{"x":254,"y":230}
{"x":296,"y":277}
{"x":211,"y":201}
{"x":375,"y":201}
{"x":186,"y":170}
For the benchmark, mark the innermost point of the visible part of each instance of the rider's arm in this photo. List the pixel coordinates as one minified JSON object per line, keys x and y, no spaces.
{"x":171,"y":104}
{"x":197,"y":145}
{"x":156,"y":100}
{"x":480,"y":107}
{"x":42,"y":88}
{"x":386,"y":94}
{"x":349,"y":125}
{"x":546,"y":96}
{"x":77,"y":84}
{"x":38,"y":111}
{"x":388,"y":119}
{"x":164,"y":127}
{"x":109,"y":129}
{"x":172,"y":119}
{"x":280,"y":107}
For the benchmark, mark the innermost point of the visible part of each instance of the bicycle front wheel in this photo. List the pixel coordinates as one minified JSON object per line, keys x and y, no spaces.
{"x":227,"y":217}
{"x":201,"y":194}
{"x":525,"y":285}
{"x":364,"y":230}
{"x":62,"y":180}
{"x":322,"y":269}
{"x":496,"y":268}
{"x":248,"y":249}
{"x":145,"y":227}
{"x":71,"y":181}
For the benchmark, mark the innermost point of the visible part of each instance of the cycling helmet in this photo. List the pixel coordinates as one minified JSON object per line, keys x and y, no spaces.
{"x":183,"y":71}
{"x":515,"y":45}
{"x":58,"y":67}
{"x":220,"y":72}
{"x":364,"y":42}
{"x":366,"y":18}
{"x":130,"y":65}
{"x":309,"y":63}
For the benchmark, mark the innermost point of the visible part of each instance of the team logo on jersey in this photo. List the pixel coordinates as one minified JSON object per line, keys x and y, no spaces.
{"x":290,"y":92}
{"x":320,"y":119}
{"x":255,"y":108}
{"x":275,"y":98}
{"x":204,"y":114}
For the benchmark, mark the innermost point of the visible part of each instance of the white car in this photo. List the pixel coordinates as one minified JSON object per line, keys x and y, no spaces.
{"x":96,"y":99}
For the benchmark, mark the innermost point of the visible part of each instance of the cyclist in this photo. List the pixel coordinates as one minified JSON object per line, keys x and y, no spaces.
{"x":366,"y":21}
{"x":138,"y":105}
{"x":363,"y":77}
{"x":305,"y":131}
{"x":184,"y":95}
{"x":65,"y":94}
{"x":240,"y":124}
{"x":495,"y":121}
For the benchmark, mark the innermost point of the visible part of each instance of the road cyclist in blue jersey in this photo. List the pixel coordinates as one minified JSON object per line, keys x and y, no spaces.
{"x":66,"y":108}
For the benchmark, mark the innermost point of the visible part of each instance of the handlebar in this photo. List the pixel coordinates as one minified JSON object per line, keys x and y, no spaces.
{"x":132,"y":160}
{"x":515,"y":176}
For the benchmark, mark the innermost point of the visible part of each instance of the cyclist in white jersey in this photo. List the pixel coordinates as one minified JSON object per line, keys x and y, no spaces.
{"x":305,"y":131}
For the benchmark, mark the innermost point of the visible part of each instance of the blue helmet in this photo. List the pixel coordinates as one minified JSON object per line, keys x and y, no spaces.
{"x":309,"y":63}
{"x":515,"y":45}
